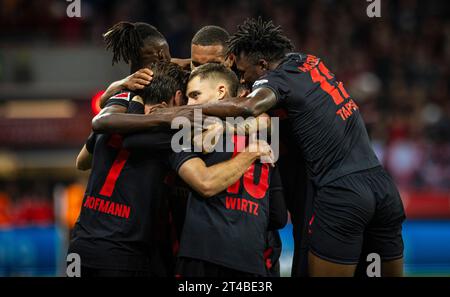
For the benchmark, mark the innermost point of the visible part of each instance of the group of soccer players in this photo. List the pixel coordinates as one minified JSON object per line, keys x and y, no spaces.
{"x":150,"y":211}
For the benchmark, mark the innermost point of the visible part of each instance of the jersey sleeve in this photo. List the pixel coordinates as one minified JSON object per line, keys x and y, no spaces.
{"x":178,"y":159}
{"x":275,"y":81}
{"x":121,"y":98}
{"x":90,"y":142}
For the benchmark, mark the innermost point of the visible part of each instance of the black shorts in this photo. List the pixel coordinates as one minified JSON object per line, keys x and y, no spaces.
{"x":357,"y":213}
{"x":189,"y":267}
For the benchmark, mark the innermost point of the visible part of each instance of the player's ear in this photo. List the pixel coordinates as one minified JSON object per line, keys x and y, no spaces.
{"x":221,"y":91}
{"x":161,"y":55}
{"x":229,"y":61}
{"x":178,"y":99}
{"x":263,"y":64}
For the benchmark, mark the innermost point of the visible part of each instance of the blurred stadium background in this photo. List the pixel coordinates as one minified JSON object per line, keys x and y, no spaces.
{"x":52,"y":67}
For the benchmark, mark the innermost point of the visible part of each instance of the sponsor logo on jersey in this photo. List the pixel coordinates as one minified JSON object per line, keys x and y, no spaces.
{"x":124,"y":96}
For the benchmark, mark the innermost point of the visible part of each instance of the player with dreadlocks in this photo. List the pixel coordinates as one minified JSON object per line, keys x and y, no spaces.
{"x":137,"y":44}
{"x":357,"y":208}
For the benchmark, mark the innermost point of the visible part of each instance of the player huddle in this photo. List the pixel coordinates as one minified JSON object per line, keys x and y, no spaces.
{"x":150,"y":211}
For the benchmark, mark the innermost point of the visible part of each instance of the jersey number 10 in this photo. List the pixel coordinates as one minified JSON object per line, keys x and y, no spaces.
{"x":256,"y":190}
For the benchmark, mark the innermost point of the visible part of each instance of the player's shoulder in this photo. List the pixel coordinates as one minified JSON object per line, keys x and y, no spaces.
{"x":288,"y":71}
{"x":292,"y":63}
{"x":122,"y":98}
{"x":123,"y":95}
{"x":299,"y":62}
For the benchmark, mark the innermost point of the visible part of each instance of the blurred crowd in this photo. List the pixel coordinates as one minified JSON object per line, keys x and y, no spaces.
{"x":395,"y":66}
{"x":24,"y":203}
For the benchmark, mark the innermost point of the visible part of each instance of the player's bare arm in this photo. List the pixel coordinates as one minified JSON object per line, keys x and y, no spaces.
{"x":209,"y":181}
{"x":250,"y":125}
{"x":256,"y":103}
{"x":128,"y":123}
{"x":84,"y":159}
{"x":211,"y":134}
{"x":133,"y":82}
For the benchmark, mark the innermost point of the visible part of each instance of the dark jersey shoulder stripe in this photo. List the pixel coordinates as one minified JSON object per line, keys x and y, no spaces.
{"x":325,"y":120}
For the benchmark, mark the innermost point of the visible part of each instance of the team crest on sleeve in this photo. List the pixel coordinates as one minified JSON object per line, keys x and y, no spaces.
{"x":124,"y":96}
{"x":259,"y":82}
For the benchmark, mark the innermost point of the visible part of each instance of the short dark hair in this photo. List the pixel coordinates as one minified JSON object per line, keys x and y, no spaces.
{"x":259,"y":40}
{"x":218,"y":71}
{"x":126,"y":40}
{"x":168,"y":78}
{"x":211,"y":35}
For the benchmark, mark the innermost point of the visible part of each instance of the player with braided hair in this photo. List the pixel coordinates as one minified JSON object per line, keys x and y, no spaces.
{"x":137,"y":44}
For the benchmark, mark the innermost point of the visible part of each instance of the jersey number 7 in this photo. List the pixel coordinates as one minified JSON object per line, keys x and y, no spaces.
{"x":116,"y":168}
